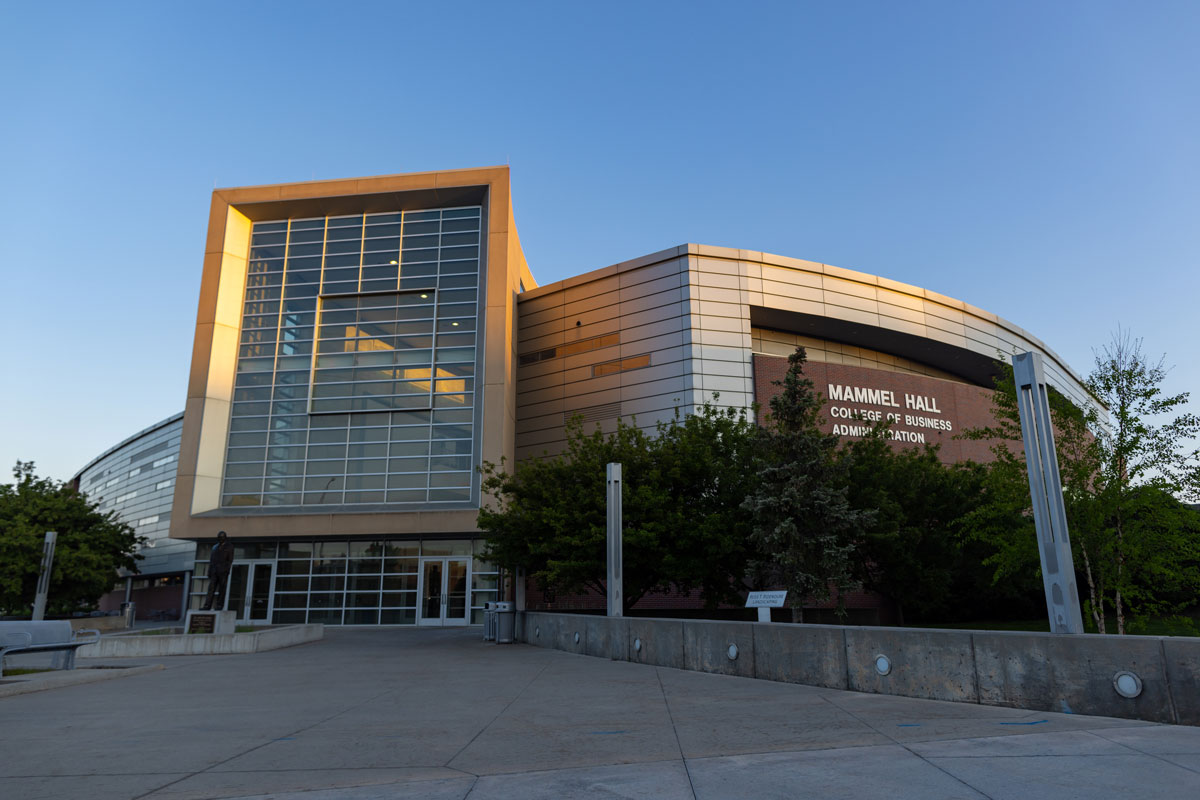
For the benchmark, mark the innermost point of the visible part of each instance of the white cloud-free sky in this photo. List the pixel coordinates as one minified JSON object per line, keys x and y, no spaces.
{"x":1039,"y":160}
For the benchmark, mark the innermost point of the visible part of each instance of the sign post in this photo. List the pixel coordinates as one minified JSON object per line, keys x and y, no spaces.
{"x":1045,"y":488}
{"x":43,"y":584}
{"x":764,"y":602}
{"x":616,"y":601}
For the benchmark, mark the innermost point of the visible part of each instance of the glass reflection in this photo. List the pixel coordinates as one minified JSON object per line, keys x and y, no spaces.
{"x":375,"y":351}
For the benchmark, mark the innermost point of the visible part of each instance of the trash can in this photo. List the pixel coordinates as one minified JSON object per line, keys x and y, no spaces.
{"x":506,"y":620}
{"x":489,"y":622}
{"x":129,"y":613}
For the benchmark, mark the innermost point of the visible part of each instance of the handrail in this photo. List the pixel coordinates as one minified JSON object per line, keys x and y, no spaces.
{"x":8,"y":634}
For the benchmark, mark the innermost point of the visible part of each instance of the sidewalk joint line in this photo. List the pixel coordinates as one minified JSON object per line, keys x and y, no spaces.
{"x":908,"y":749}
{"x":667,"y":704}
{"x":211,"y":767}
{"x":1158,"y":756}
{"x":499,"y":714}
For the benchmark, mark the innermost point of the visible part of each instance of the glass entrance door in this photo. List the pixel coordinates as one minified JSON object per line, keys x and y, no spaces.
{"x":445,"y":589}
{"x":250,"y":590}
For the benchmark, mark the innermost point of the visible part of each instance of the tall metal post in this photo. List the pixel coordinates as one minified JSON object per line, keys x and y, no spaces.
{"x":1045,"y":488}
{"x":43,"y":584}
{"x":616,"y":599}
{"x":184,"y":601}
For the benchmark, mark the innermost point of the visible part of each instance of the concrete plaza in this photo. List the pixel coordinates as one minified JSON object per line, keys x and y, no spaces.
{"x":392,"y":713}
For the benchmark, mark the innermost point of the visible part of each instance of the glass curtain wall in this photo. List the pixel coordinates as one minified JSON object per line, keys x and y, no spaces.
{"x":356,"y":369}
{"x":352,"y":582}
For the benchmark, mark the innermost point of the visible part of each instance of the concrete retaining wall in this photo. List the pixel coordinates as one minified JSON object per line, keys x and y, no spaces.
{"x":206,"y":644}
{"x":1038,"y":671}
{"x":102,"y":624}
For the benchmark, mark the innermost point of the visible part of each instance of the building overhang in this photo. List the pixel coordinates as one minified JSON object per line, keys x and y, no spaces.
{"x":338,"y":205}
{"x":972,"y":367}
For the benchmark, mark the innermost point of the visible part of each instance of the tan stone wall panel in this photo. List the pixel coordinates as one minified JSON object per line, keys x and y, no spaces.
{"x":956,"y":328}
{"x":591,"y":289}
{"x":547,"y":328}
{"x":792,"y":277}
{"x":632,"y":334}
{"x":586,"y":384}
{"x":543,"y":299}
{"x":592,"y":329}
{"x":659,"y":300}
{"x":853,"y":288}
{"x":664,"y":344}
{"x":715,"y":280}
{"x":533,"y":383}
{"x":849,"y":274}
{"x":572,"y":309}
{"x":851,"y":301}
{"x":650,"y":272}
{"x":536,"y":344}
{"x":637,"y":291}
{"x":582,"y":400}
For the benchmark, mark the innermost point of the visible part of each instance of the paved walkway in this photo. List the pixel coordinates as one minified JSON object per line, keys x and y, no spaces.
{"x":392,"y":713}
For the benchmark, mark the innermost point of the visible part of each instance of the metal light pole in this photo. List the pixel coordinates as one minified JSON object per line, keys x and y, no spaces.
{"x":1045,"y":487}
{"x":616,"y":598}
{"x":43,"y":584}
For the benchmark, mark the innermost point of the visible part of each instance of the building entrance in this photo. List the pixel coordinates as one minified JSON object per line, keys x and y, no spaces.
{"x":443,"y":591}
{"x":250,"y":591}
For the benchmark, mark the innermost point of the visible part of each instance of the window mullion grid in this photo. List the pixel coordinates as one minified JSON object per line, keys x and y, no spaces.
{"x":362,"y":238}
{"x":316,"y":337}
{"x":437,"y":315}
{"x":400,"y":251}
{"x":262,"y":493}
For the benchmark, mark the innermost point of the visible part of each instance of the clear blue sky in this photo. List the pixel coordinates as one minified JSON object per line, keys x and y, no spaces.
{"x":1040,"y":160}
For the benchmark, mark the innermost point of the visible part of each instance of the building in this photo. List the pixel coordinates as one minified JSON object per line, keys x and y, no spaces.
{"x":667,"y":330}
{"x":136,"y":480}
{"x":362,"y":345}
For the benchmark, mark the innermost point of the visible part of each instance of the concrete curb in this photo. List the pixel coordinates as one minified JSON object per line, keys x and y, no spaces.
{"x":209,"y":644}
{"x":58,"y":679}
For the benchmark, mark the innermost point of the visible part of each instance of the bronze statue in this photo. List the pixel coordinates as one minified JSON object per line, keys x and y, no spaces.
{"x":219,"y":565}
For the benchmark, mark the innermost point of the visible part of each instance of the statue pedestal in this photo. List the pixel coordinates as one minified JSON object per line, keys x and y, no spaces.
{"x":211,"y":622}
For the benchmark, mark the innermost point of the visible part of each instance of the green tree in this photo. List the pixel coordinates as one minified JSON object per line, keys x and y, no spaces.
{"x":91,"y":545}
{"x":1131,"y":539}
{"x":913,"y":550}
{"x":1001,"y":526}
{"x":706,"y":463}
{"x":1147,"y":458}
{"x":803,"y":525}
{"x":682,"y":487}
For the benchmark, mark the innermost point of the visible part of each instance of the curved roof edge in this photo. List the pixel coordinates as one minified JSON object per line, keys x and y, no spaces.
{"x":831,"y":274}
{"x":127,"y":440}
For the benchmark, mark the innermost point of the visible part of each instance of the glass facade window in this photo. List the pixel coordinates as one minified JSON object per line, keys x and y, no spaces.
{"x":371,"y":582}
{"x":135,"y":480}
{"x":357,"y":365}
